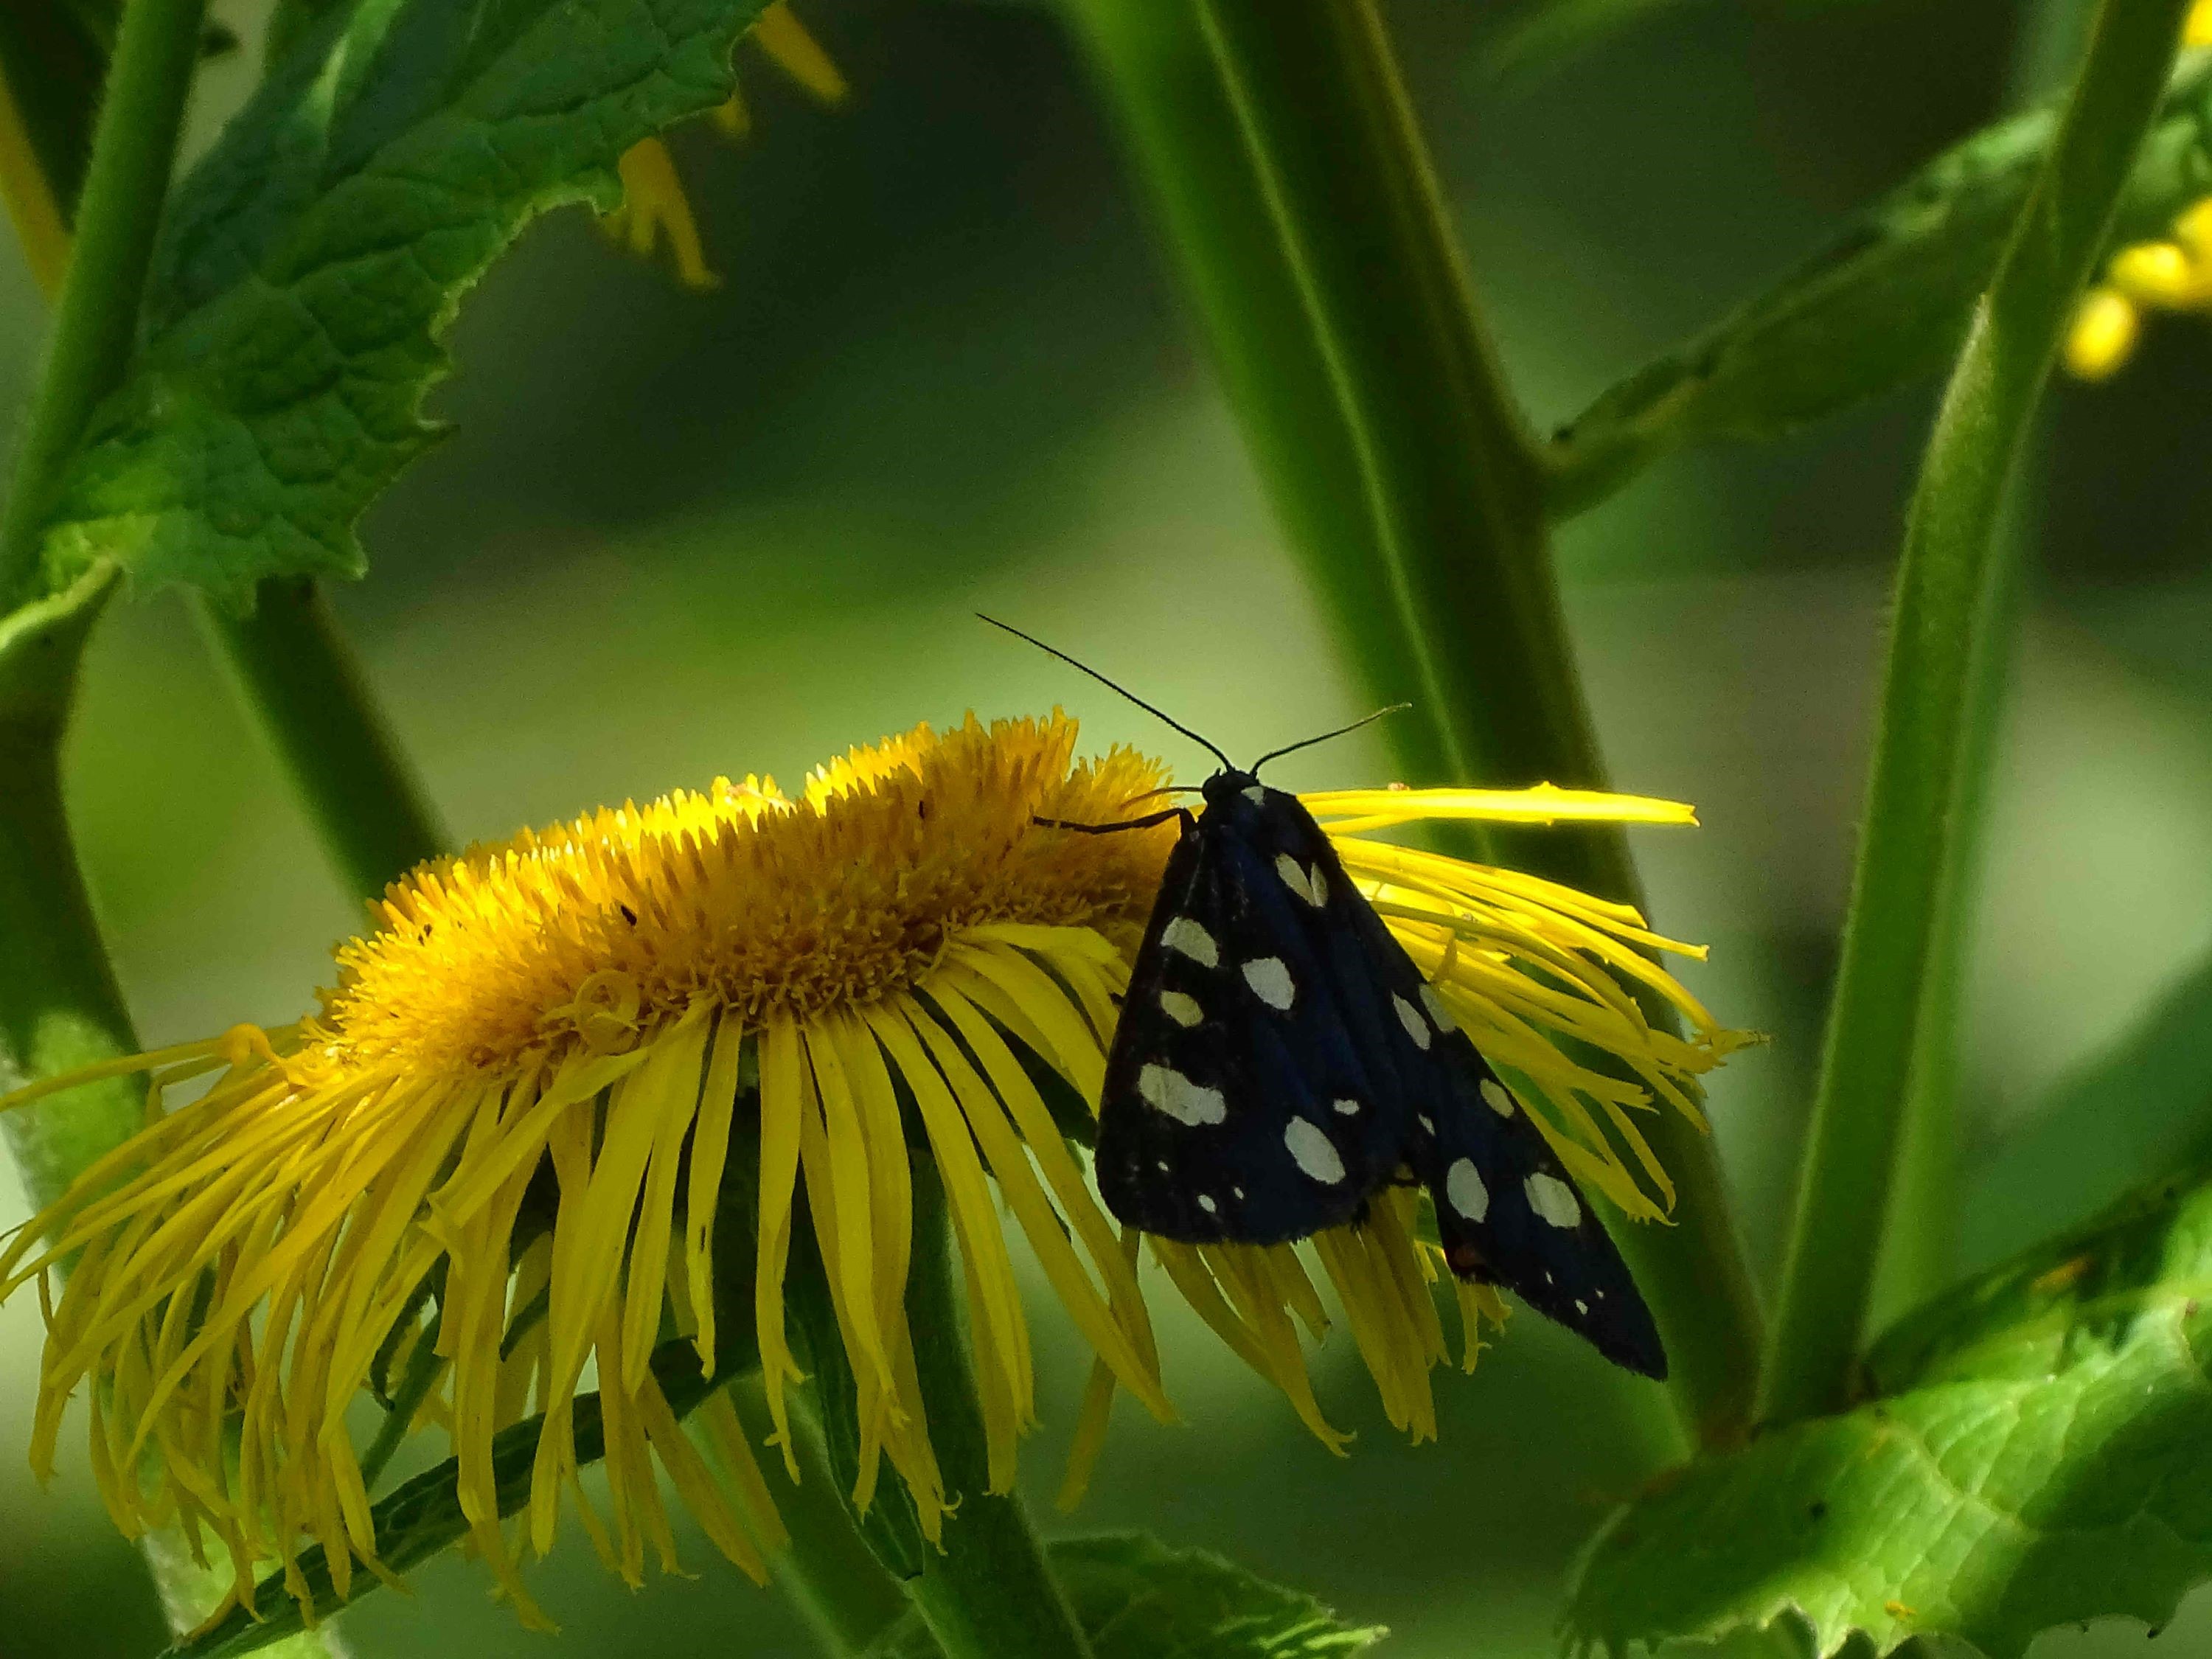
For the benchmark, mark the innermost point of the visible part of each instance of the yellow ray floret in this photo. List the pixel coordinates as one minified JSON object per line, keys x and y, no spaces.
{"x":509,"y":1155}
{"x":654,"y":209}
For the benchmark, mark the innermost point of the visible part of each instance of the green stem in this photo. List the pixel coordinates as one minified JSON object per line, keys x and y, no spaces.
{"x":60,"y":1007}
{"x":1157,"y":74}
{"x":1444,"y":463}
{"x":1952,"y":574}
{"x":298,"y":674}
{"x":134,"y":148}
{"x":1464,"y":613}
{"x":989,"y":1592}
{"x":828,"y":1573}
{"x":1920,"y":1250}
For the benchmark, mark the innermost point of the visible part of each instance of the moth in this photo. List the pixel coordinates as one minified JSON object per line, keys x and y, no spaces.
{"x":1281,"y":1061}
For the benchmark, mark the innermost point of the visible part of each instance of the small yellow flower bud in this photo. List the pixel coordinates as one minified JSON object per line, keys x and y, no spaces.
{"x":2103,"y":336}
{"x":2193,"y":230}
{"x":2158,"y":274}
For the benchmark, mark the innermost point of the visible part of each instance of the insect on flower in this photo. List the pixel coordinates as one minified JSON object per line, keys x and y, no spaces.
{"x":594,"y":1119}
{"x":1281,"y":1061}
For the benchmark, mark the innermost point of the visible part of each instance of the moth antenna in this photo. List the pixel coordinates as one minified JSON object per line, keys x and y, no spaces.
{"x":1118,"y":690}
{"x":1307,"y":742}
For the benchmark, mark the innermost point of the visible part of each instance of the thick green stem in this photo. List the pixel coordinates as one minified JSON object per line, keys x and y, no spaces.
{"x":989,"y":1593}
{"x":1920,"y":1250}
{"x":134,"y":148}
{"x":1462,"y":608}
{"x":1443,"y":460}
{"x":828,"y":1573}
{"x":300,"y":677}
{"x":1158,"y":76}
{"x":59,"y":1005}
{"x":1951,"y":576}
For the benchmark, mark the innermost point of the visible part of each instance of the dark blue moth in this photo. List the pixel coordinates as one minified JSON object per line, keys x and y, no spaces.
{"x":1281,"y":1061}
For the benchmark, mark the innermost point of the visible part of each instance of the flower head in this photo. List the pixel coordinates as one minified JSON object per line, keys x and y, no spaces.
{"x":2172,"y":274}
{"x":562,"y":1074}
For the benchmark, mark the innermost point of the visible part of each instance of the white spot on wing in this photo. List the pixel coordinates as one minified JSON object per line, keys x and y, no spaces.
{"x":1270,"y":982}
{"x":1184,"y":1009}
{"x":1348,"y":1108}
{"x":1308,"y":884}
{"x":1191,"y":939}
{"x":1435,"y":1004}
{"x":1410,"y":1017}
{"x":1495,"y":1097}
{"x":1581,"y":1306}
{"x":1207,"y":1204}
{"x":1464,"y":1191}
{"x":1168,"y":1090}
{"x":1256,"y":793}
{"x":1553,"y":1200}
{"x":1313,"y":1151}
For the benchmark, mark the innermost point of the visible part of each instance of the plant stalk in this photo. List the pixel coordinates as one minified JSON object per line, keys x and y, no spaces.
{"x":1464,"y":609}
{"x":828,"y":1573}
{"x":1950,"y":577}
{"x":96,"y":325}
{"x":1157,"y":74}
{"x":1920,"y":1250}
{"x":298,"y":674}
{"x":989,"y":1593}
{"x":60,"y":1007}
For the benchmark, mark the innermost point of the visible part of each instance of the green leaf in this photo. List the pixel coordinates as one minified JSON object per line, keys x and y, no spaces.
{"x":1136,"y":1598}
{"x":311,"y":264}
{"x":1885,"y":302}
{"x":2038,"y":1452}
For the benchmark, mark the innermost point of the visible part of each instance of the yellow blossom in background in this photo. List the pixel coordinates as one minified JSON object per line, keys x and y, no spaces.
{"x":501,"y":1148}
{"x":2172,"y":275}
{"x":29,"y":198}
{"x":654,"y":207}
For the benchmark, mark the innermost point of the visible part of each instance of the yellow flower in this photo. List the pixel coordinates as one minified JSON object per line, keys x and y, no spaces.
{"x":2174,"y":275}
{"x":499,"y":1148}
{"x":29,"y":199}
{"x":654,"y":207}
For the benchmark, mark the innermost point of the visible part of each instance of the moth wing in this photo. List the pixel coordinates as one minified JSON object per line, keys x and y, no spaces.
{"x":1239,"y":1104}
{"x":1507,"y":1211}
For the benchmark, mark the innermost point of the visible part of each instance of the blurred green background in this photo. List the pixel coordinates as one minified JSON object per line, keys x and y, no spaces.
{"x":672,"y":535}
